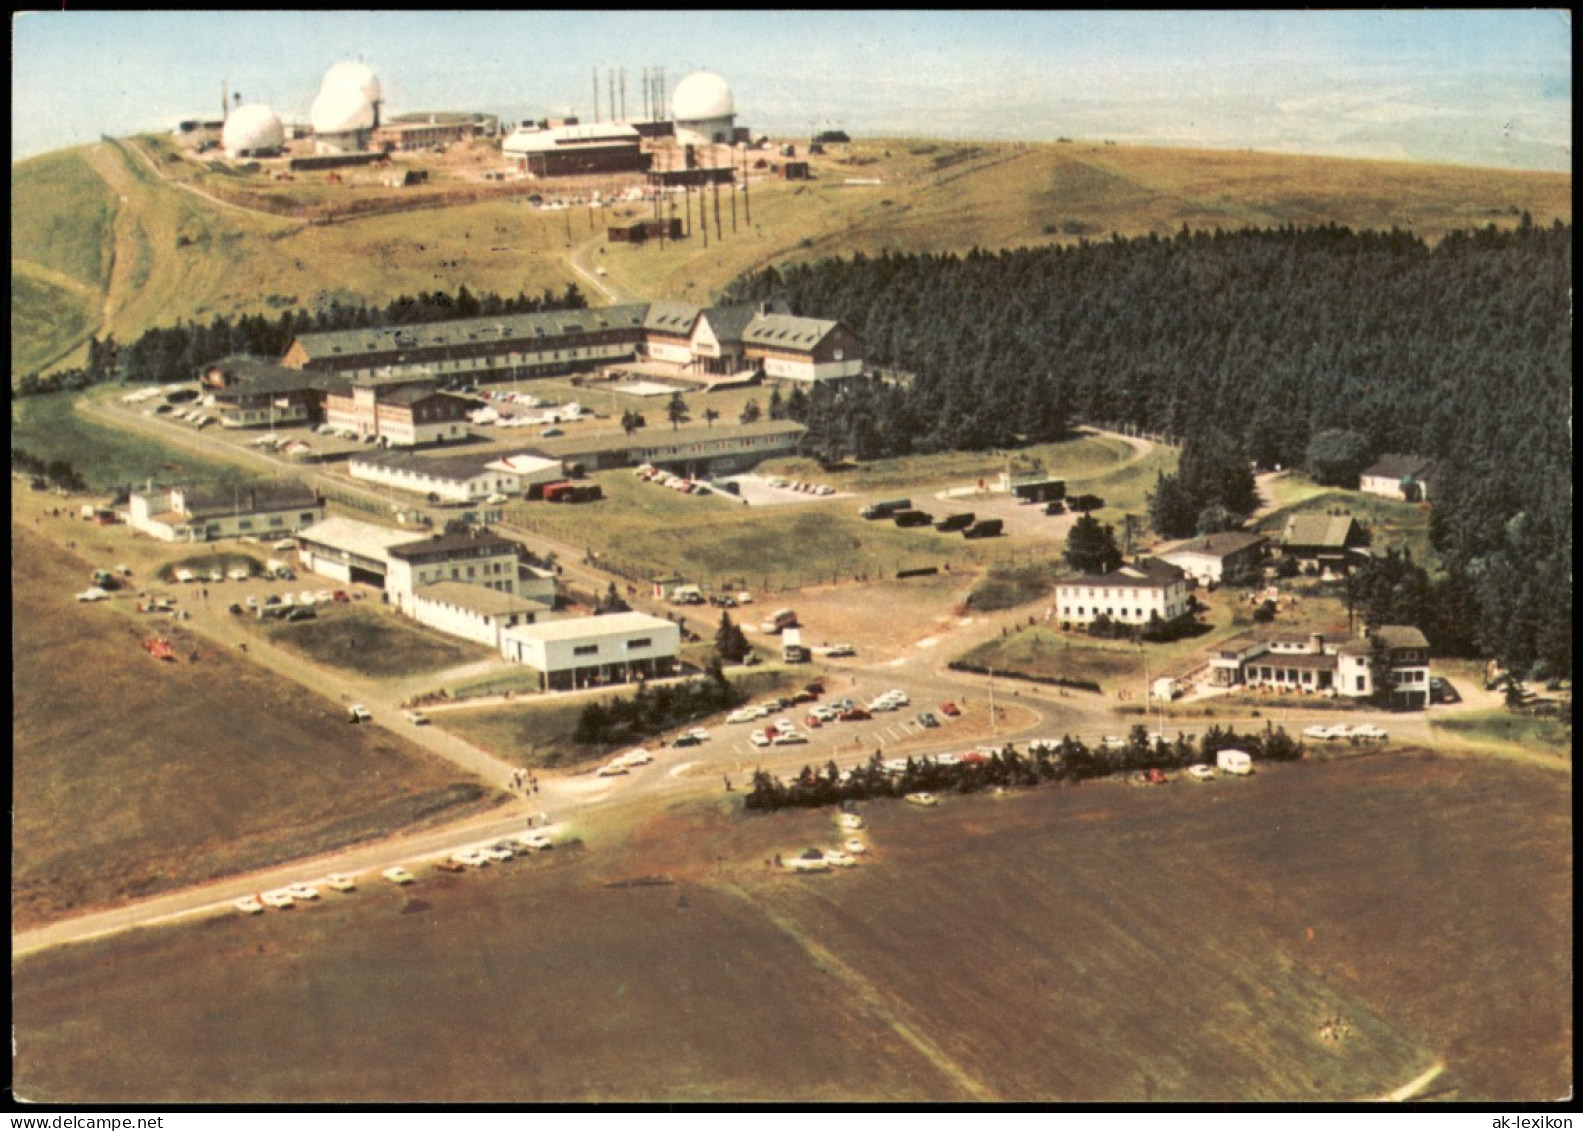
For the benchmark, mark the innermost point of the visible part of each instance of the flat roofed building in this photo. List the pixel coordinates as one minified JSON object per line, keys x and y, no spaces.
{"x":1129,"y":595}
{"x":454,"y":479}
{"x":607,"y":147}
{"x":350,"y":551}
{"x":695,"y":451}
{"x":477,"y":613}
{"x":475,"y":557}
{"x":592,"y":651}
{"x":189,"y":514}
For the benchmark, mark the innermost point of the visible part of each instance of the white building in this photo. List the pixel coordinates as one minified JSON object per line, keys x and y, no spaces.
{"x":1210,"y":557}
{"x":182,"y":514}
{"x":704,"y":110}
{"x":473,"y":557}
{"x":1315,"y":664}
{"x":589,"y":651}
{"x":474,"y":612}
{"x":454,"y":479}
{"x":351,"y":551}
{"x":1129,"y":595}
{"x":1397,"y":476}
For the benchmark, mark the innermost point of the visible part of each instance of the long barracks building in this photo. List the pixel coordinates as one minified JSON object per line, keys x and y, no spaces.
{"x":694,"y":339}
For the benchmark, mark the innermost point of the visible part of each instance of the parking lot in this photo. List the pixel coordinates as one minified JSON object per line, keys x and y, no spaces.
{"x":774,"y":491}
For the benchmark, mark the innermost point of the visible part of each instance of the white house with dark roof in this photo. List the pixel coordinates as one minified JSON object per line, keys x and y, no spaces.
{"x":1210,"y":557}
{"x":189,"y":514}
{"x":477,"y":613}
{"x":456,"y":478}
{"x":1398,"y":476}
{"x":1132,"y":594}
{"x":473,"y":557}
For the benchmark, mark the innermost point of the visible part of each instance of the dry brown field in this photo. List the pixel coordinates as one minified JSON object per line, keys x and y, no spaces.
{"x":1175,"y":944}
{"x":133,"y":776}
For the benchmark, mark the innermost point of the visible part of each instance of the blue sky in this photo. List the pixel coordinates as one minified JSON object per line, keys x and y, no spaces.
{"x":1473,"y":87}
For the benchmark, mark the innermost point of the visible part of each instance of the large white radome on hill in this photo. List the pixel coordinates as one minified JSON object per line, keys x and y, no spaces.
{"x":340,"y":110}
{"x":702,"y":95}
{"x":252,"y":129}
{"x":353,"y":76}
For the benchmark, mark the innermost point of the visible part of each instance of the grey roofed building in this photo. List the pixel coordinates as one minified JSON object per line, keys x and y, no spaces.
{"x":261,"y":497}
{"x":475,"y":598}
{"x":1395,"y":465}
{"x":246,"y":374}
{"x":1321,"y":532}
{"x":1146,"y":573}
{"x":445,"y":546}
{"x":442,"y":467}
{"x":787,"y":330}
{"x":1221,"y":544}
{"x":649,"y":439}
{"x":465,"y":333}
{"x":671,"y":317}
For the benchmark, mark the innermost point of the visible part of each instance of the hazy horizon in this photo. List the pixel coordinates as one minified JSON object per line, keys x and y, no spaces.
{"x":1482,"y":88}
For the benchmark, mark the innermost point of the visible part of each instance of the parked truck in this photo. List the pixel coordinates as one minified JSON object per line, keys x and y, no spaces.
{"x":885,"y":509}
{"x":953,"y":522}
{"x":988,"y":528}
{"x":1040,"y":491}
{"x":792,"y":650}
{"x":913,"y":518}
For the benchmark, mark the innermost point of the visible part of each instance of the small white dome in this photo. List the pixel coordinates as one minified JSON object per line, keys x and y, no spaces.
{"x":701,"y":96}
{"x":340,"y":110}
{"x":251,"y":129}
{"x":354,"y":76}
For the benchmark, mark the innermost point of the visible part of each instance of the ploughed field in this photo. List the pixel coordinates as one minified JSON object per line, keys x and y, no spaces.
{"x":1177,"y":943}
{"x":134,"y":776}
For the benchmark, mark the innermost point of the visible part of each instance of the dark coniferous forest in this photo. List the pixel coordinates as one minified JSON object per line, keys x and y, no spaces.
{"x":1461,"y":352}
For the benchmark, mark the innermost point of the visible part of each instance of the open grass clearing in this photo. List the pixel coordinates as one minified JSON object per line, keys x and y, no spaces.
{"x":50,"y":428}
{"x":1252,"y":911}
{"x":373,"y":643}
{"x":48,"y":320}
{"x":645,"y":530}
{"x":134,"y":776}
{"x":1502,"y":728}
{"x":539,"y":734}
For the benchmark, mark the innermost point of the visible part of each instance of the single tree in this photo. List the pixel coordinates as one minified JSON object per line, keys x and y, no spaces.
{"x":1091,"y":548}
{"x":676,"y":410}
{"x":710,"y":416}
{"x":750,"y":412}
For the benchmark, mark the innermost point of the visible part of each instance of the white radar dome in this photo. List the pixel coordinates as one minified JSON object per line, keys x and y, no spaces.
{"x":252,"y":129}
{"x":340,"y":110}
{"x":700,"y":96}
{"x":352,"y":76}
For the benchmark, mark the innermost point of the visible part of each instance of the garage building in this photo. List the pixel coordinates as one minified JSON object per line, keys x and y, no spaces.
{"x":591,"y":651}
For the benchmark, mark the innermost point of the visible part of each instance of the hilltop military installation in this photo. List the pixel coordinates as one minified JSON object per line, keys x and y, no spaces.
{"x":347,"y":124}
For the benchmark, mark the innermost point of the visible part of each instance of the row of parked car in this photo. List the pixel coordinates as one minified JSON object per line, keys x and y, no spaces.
{"x":784,"y":484}
{"x":648,"y":473}
{"x":1362,"y":732}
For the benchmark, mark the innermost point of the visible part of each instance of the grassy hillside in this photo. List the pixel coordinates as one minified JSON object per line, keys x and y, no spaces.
{"x":124,"y":229}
